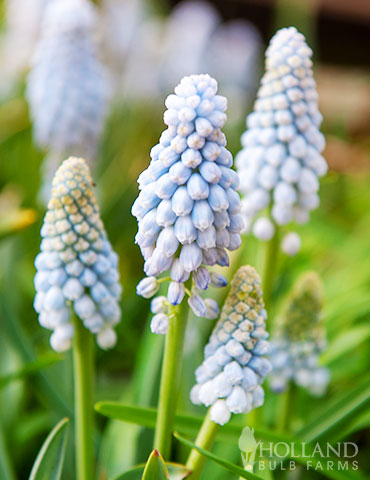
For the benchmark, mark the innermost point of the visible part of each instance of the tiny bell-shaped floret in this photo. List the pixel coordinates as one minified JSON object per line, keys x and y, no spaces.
{"x":235,"y":365}
{"x":300,"y":339}
{"x":291,"y":244}
{"x":76,"y":268}
{"x":280,"y":163}
{"x":147,"y":287}
{"x":188,"y":207}
{"x":159,"y":324}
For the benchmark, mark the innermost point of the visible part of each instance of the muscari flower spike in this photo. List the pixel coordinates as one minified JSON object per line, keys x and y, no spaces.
{"x":299,"y":339}
{"x":281,"y":162}
{"x":188,"y":207}
{"x":229,"y":380}
{"x":68,"y":87}
{"x":77,"y":268}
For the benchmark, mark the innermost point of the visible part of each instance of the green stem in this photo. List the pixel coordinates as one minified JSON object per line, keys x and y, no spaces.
{"x":205,"y":439}
{"x":270,"y":267}
{"x":83,"y":381}
{"x":285,"y":409}
{"x":170,"y":380}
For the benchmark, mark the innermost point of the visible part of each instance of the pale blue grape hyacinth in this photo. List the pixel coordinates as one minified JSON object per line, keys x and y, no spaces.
{"x":235,"y":365}
{"x":281,"y":162}
{"x":188,"y":207}
{"x":77,"y":268}
{"x":185,"y":40}
{"x":21,"y":24}
{"x":68,"y":87}
{"x":300,"y":339}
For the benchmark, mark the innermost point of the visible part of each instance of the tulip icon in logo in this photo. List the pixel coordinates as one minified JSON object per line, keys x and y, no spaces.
{"x":248,"y":447}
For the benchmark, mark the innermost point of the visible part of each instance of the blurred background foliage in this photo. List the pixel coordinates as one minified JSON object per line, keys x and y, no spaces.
{"x":35,"y":384}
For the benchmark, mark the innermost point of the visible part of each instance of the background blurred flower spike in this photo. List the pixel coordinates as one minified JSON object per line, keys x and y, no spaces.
{"x":235,"y":365}
{"x":300,"y":338}
{"x":281,"y":162}
{"x":68,"y":87}
{"x":77,"y":268}
{"x":188,"y":207}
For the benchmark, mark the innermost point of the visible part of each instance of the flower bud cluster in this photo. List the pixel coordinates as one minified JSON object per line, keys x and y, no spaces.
{"x":281,"y":162}
{"x":188,"y":207}
{"x":230,"y":378}
{"x":77,"y":268}
{"x":68,"y":86}
{"x":299,"y":339}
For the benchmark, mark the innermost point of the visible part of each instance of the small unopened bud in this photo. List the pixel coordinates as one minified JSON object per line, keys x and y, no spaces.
{"x":147,"y":287}
{"x":213,"y":310}
{"x":196,"y":303}
{"x":218,"y":280}
{"x":176,"y":292}
{"x":159,"y":324}
{"x":159,"y":305}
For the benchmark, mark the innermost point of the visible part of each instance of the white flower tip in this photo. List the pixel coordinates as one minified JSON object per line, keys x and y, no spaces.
{"x":59,"y":344}
{"x":291,"y":244}
{"x":263,"y":229}
{"x":106,"y":338}
{"x":220,"y":412}
{"x":159,"y":324}
{"x":194,"y":395}
{"x":61,"y":339}
{"x":207,"y":394}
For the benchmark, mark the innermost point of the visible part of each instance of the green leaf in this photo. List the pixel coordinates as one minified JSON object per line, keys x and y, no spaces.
{"x":338,"y":414}
{"x":189,"y":425}
{"x":345,"y":342}
{"x":265,"y":472}
{"x":155,"y":468}
{"x":30,"y":369}
{"x":135,"y":473}
{"x":185,"y":424}
{"x":175,"y":470}
{"x":6,"y":465}
{"x":49,"y":462}
{"x":44,"y":383}
{"x":231,"y":467}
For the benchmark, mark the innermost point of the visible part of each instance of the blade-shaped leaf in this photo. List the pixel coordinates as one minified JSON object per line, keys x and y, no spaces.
{"x":49,"y":462}
{"x":332,"y":419}
{"x":6,"y":465}
{"x":155,"y":468}
{"x":345,"y":342}
{"x":264,"y":472}
{"x":231,"y":467}
{"x":189,"y":425}
{"x":175,"y":471}
{"x":135,"y":473}
{"x":185,"y":424}
{"x":30,"y":368}
{"x":13,"y":329}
